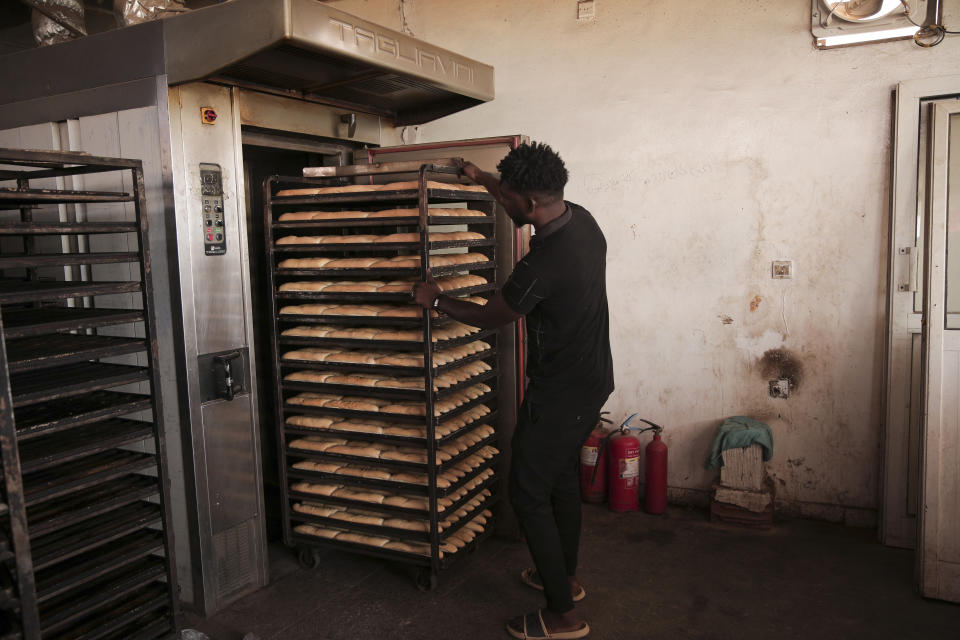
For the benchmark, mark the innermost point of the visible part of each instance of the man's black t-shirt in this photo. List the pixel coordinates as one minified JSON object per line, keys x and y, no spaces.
{"x":560,"y":286}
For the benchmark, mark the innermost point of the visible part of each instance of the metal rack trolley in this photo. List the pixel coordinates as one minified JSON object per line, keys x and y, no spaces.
{"x":427,"y":566}
{"x":84,"y":514}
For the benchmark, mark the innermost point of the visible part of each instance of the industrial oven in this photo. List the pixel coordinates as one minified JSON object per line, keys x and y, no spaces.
{"x":213,"y":102}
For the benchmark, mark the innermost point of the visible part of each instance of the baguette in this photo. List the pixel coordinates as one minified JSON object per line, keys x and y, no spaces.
{"x":318,"y":532}
{"x":298,"y":240}
{"x":351,"y":263}
{"x":311,"y":422}
{"x":295,"y":216}
{"x":352,"y":286}
{"x":318,"y":466}
{"x":364,"y":539}
{"x":313,"y":355}
{"x":316,"y":488}
{"x":303,"y":263}
{"x":306,"y":309}
{"x":316,"y":509}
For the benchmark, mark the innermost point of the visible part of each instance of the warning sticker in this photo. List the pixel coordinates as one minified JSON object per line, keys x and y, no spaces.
{"x":629,"y":467}
{"x":588,"y":456}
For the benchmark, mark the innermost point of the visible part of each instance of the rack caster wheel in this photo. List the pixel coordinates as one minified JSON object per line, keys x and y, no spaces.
{"x":308,"y":558}
{"x":426,"y":580}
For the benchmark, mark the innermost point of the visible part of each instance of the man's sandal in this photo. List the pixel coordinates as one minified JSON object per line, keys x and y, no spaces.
{"x":533,"y":627}
{"x":530,"y":578}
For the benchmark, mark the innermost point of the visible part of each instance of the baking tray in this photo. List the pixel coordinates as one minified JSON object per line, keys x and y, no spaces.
{"x":422,"y":467}
{"x":49,"y":417}
{"x":383,"y":392}
{"x":26,"y":261}
{"x":20,"y":323}
{"x":56,"y":548}
{"x":296,"y":225}
{"x":66,"y":228}
{"x":61,"y":196}
{"x":392,"y":417}
{"x":42,"y":453}
{"x":407,"y":195}
{"x":39,"y":352}
{"x":373,"y":483}
{"x":88,"y":566}
{"x":73,"y":379}
{"x":383,"y":345}
{"x":384,"y":273}
{"x":293,"y":365}
{"x":83,"y":474}
{"x":340,"y":247}
{"x":12,"y":291}
{"x":65,"y":512}
{"x":144,"y":615}
{"x":418,"y":514}
{"x":70,"y":609}
{"x":490,"y":419}
{"x":373,"y":296}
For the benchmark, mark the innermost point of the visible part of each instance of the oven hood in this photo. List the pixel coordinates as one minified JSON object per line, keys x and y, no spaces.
{"x":301,"y":48}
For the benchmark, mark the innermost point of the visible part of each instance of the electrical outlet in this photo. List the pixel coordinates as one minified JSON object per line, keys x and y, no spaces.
{"x":781,"y":269}
{"x":586,"y":9}
{"x":780,"y":388}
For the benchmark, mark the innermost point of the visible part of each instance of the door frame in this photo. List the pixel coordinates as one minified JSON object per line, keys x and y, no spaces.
{"x":897,"y":527}
{"x":938,"y":553}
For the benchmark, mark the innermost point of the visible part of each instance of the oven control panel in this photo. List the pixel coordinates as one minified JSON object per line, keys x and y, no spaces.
{"x":211,"y":190}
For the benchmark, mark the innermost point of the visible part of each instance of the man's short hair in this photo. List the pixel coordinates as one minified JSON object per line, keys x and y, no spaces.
{"x":534,"y":168}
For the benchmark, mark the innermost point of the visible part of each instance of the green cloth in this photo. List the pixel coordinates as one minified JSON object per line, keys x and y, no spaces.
{"x":739,"y":432}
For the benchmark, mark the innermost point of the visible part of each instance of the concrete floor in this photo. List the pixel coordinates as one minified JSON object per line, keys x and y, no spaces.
{"x":669,"y":577}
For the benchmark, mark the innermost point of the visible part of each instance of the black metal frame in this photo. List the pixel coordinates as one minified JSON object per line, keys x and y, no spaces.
{"x":421,"y":198}
{"x":86,"y":488}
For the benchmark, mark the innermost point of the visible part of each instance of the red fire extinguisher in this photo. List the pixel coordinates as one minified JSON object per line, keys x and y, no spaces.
{"x":655,"y":473}
{"x":593,"y":468}
{"x":623,"y":469}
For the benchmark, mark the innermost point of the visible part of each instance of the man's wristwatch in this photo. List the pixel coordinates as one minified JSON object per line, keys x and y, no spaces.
{"x":436,"y":302}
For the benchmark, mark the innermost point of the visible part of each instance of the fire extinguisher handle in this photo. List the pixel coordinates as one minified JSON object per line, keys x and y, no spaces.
{"x":656,"y":428}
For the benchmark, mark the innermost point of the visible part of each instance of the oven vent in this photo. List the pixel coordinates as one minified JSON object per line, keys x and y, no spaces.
{"x":234,"y":556}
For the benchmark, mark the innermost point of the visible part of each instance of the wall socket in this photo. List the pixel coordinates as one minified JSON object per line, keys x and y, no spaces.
{"x":780,"y":388}
{"x":781,"y":269}
{"x":586,"y":9}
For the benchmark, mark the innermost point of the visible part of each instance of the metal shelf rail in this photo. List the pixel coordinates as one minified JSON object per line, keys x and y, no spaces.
{"x":85,"y":549}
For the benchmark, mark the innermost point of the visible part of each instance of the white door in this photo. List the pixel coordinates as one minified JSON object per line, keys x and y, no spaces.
{"x":904,"y":406}
{"x":939,"y":534}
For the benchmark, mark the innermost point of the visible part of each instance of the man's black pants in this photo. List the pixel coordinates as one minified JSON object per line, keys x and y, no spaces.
{"x":545,"y":487}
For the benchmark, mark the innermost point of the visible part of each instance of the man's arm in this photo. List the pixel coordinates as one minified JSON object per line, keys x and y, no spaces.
{"x":488,"y":181}
{"x":495,"y":313}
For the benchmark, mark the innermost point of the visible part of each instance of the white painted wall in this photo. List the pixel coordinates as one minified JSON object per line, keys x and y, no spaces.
{"x":710,"y":138}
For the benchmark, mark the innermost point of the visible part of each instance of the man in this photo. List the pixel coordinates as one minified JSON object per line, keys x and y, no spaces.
{"x":560,"y":287}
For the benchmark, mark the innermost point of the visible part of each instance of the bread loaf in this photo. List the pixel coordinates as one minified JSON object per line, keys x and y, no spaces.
{"x":307,"y":309}
{"x":285,"y":240}
{"x":303,"y":263}
{"x":311,"y":422}
{"x":316,"y":509}
{"x":314,"y":530}
{"x":315,"y":488}
{"x":351,"y":263}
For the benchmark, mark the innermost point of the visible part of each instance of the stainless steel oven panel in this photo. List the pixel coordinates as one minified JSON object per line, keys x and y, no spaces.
{"x":278,"y":113}
{"x":229,"y":458}
{"x":214,"y":290}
